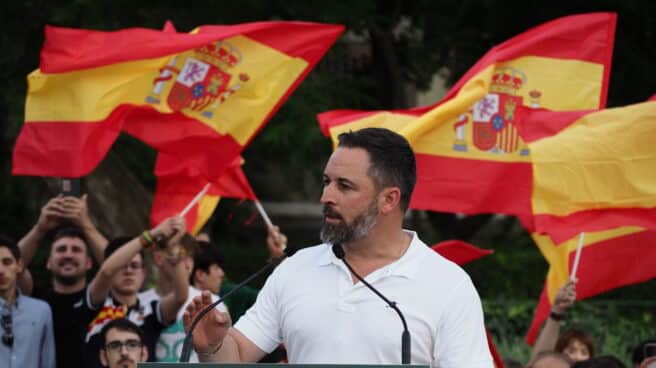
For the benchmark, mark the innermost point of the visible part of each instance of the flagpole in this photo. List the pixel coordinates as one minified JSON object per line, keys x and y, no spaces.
{"x":194,"y":201}
{"x":577,"y":257}
{"x":263,"y":213}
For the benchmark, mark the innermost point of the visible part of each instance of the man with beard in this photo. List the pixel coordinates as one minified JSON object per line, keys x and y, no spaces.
{"x":69,"y":261}
{"x":122,"y":344}
{"x":319,"y":309}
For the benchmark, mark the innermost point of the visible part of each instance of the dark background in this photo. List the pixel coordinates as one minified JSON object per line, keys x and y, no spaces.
{"x":390,"y":51}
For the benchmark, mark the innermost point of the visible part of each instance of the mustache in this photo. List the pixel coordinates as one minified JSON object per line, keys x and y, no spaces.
{"x":329,"y":211}
{"x":66,"y":261}
{"x":125,"y":361}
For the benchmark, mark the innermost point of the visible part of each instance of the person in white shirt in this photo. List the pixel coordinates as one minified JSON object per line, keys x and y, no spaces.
{"x":318,"y":308}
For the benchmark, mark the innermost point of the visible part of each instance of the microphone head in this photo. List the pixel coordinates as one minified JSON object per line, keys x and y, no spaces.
{"x":338,"y":251}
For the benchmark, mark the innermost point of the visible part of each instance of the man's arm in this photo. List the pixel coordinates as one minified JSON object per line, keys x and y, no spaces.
{"x":174,"y":267}
{"x":214,"y":339}
{"x":50,"y":217}
{"x":548,"y":337}
{"x":462,"y":341}
{"x":101,"y":283}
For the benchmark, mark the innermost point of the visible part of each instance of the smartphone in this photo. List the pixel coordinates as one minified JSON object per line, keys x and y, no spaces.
{"x":70,"y":187}
{"x":649,"y":350}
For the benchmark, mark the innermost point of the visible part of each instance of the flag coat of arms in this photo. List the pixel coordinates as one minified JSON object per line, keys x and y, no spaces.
{"x":198,"y":96}
{"x":470,"y":155}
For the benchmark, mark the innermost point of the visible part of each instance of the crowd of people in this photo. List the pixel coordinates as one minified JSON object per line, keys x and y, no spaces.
{"x":107,"y":321}
{"x":313,"y":303}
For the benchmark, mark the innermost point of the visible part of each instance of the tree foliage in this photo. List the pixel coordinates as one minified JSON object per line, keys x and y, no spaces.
{"x":407,"y":43}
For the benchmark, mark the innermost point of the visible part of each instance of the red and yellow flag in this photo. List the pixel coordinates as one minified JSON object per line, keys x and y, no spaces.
{"x":596,"y":172}
{"x":470,"y":157}
{"x":175,"y":192}
{"x":460,"y":252}
{"x":609,"y":259}
{"x":199,"y":96}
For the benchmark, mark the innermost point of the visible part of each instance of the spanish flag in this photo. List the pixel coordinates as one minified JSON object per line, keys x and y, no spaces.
{"x":609,"y":259}
{"x":198,"y":96}
{"x":175,"y":191}
{"x":470,"y":157}
{"x":593,"y":170}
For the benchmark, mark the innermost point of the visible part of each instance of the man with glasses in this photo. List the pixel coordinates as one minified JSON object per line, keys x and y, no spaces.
{"x":27,"y":336}
{"x":122,"y":344}
{"x":115,"y":288}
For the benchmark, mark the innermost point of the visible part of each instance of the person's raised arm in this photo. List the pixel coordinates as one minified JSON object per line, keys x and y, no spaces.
{"x":174,"y":267}
{"x":101,"y":283}
{"x":50,"y":217}
{"x":214,"y":339}
{"x":76,"y":210}
{"x":548,"y":337}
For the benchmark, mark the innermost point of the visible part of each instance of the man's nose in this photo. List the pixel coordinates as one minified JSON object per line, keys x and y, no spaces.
{"x":327,"y":194}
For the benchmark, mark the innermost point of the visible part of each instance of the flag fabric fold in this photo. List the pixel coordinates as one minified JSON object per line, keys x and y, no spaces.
{"x":174,"y":192}
{"x":460,"y":252}
{"x":470,"y":156}
{"x":596,"y":172}
{"x":200,"y":97}
{"x":609,"y":259}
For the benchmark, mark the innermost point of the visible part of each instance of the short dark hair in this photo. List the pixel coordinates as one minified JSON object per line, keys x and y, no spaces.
{"x":206,"y":255}
{"x":69,"y":231}
{"x":575,"y":334}
{"x":606,"y":361}
{"x":8,"y":243}
{"x":392,"y":160}
{"x":116,"y":243}
{"x":121,"y":324}
{"x":551,"y":354}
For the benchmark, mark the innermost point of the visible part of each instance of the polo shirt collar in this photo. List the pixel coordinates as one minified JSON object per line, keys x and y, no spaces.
{"x":406,"y":266}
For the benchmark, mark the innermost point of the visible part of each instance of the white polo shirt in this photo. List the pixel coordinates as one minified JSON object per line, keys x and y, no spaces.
{"x":310,"y":303}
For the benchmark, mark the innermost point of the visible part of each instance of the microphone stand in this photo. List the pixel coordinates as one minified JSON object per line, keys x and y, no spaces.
{"x":405,"y":336}
{"x":185,"y":355}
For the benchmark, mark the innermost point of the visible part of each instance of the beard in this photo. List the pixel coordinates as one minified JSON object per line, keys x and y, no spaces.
{"x":68,"y":280}
{"x":343,"y":232}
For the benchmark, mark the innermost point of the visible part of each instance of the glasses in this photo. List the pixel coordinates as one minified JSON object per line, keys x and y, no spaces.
{"x":131,"y":345}
{"x":8,"y":334}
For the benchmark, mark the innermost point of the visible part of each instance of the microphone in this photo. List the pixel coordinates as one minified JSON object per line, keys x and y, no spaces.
{"x":188,"y":341}
{"x":405,"y":336}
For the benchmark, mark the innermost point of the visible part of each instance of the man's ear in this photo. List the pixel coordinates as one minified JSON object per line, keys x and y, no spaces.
{"x":103,"y":358}
{"x":89,"y":263}
{"x":20,"y":265}
{"x":144,"y":354}
{"x":199,"y":276}
{"x":49,"y":264}
{"x":158,"y":258}
{"x":389,"y":199}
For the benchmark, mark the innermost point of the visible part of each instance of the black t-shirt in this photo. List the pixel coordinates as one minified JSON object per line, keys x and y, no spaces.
{"x":71,"y":315}
{"x":143,"y":314}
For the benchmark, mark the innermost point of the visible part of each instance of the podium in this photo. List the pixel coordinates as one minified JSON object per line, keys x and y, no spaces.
{"x":272,"y":365}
